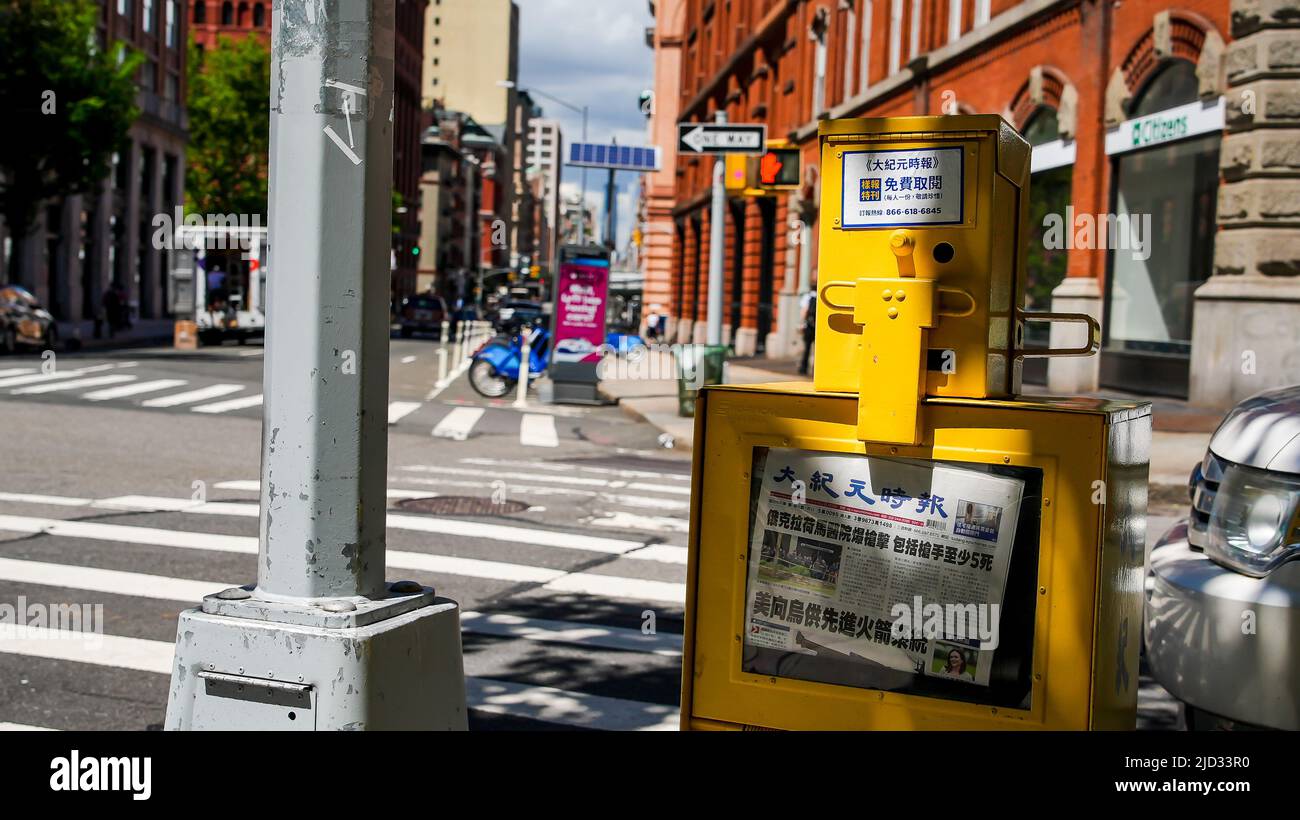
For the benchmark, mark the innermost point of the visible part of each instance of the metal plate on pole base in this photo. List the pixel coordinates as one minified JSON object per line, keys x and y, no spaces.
{"x":333,"y":613}
{"x":402,"y":673}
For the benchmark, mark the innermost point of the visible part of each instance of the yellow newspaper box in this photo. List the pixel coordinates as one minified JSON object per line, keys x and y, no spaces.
{"x":905,"y":543}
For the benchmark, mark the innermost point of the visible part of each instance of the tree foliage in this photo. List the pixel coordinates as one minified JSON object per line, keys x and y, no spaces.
{"x":68,"y":105}
{"x":226,"y":163}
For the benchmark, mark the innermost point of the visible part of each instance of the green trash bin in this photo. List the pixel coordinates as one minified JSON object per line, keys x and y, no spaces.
{"x":697,"y":365}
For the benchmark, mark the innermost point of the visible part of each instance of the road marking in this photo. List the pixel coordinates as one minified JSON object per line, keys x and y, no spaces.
{"x":158,"y":587}
{"x":108,"y":581}
{"x":640,"y":501}
{"x":191,"y":396}
{"x":134,"y":389}
{"x":36,"y":378}
{"x":72,"y":384}
{"x":232,"y":404}
{"x":537,"y":430}
{"x":244,"y":354}
{"x":398,"y":410}
{"x":570,"y":466}
{"x":552,"y":705}
{"x":458,"y":423}
{"x":53,"y":500}
{"x":542,"y":703}
{"x":22,"y":727}
{"x":407,"y":359}
{"x":17,"y":371}
{"x":551,"y":579}
{"x":646,"y":523}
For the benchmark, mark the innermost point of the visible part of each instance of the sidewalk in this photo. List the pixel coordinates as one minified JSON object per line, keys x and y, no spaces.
{"x":1180,"y":434}
{"x":142,"y":332}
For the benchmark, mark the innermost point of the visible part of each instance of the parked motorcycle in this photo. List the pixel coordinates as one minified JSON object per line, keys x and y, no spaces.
{"x":494,"y":371}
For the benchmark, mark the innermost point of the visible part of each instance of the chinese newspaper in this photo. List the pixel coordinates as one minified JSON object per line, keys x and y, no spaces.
{"x":900,"y":563}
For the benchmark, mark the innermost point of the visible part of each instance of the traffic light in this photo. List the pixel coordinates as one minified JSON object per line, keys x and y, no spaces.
{"x":779,"y":168}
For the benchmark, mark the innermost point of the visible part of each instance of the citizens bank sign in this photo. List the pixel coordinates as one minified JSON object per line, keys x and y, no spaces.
{"x":1169,"y":125}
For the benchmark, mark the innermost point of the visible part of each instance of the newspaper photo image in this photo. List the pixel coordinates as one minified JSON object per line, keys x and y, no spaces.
{"x":890,"y":563}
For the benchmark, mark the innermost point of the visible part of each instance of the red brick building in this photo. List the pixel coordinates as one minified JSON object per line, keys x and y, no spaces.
{"x":1078,"y":77}
{"x":210,"y":19}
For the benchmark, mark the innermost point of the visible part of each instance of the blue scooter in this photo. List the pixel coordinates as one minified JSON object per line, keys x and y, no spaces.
{"x":494,"y":372}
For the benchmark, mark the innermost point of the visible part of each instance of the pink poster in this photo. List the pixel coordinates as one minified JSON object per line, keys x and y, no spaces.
{"x":580,"y":312}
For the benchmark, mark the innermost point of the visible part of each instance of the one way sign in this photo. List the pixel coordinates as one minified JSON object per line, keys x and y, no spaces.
{"x":721,"y":138}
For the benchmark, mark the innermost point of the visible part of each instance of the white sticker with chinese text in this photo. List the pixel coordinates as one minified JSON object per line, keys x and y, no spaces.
{"x":886,"y":189}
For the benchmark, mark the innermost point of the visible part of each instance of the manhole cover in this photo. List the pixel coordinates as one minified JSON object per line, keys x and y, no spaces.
{"x":461,"y":505}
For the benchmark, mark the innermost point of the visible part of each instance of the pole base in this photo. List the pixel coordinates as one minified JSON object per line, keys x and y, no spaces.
{"x":400,"y":673}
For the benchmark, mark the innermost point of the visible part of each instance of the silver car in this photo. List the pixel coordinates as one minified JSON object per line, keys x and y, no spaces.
{"x":1223,"y":592}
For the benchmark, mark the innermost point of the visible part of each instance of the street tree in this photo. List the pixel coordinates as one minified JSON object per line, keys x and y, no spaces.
{"x":68,"y":101}
{"x":226,"y":162}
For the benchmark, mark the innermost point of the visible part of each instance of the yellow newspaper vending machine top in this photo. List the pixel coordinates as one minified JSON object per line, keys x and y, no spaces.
{"x":905,"y":543}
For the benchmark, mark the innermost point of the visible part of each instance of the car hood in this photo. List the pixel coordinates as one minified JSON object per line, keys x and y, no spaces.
{"x":1262,"y":432}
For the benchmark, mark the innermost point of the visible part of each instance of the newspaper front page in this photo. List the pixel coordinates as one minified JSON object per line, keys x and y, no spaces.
{"x":897,"y":562}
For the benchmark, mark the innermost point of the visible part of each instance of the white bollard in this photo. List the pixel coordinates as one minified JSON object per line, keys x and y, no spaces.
{"x":442,"y":366}
{"x":521,"y":396}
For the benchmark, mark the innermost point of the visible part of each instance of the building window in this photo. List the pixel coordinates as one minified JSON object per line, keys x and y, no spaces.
{"x":1164,"y":206}
{"x":818,"y":35}
{"x":983,"y":11}
{"x":200,"y":12}
{"x":147,"y":22}
{"x":914,"y":34}
{"x":171,"y":24}
{"x":1045,"y":262}
{"x":954,"y":19}
{"x":864,"y":67}
{"x":850,"y":40}
{"x":895,"y":35}
{"x":227,"y":13}
{"x":259,"y":16}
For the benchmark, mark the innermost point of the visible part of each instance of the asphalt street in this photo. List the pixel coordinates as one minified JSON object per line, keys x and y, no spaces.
{"x":130,"y":479}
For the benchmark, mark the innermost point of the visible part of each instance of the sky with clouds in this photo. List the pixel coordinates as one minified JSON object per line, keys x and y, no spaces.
{"x":592,"y":53}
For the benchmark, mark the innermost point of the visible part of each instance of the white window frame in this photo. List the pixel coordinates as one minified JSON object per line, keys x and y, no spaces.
{"x":914,"y":33}
{"x":850,"y":40}
{"x":895,"y":35}
{"x":864,"y":70}
{"x":819,"y":70}
{"x":983,"y":11}
{"x":954,"y":19}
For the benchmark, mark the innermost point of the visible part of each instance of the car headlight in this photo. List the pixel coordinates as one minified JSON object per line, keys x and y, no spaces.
{"x":1253,"y":521}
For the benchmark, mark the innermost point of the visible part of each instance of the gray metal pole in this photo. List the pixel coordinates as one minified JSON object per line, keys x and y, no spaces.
{"x":714,"y":328}
{"x":324,"y":451}
{"x":582,"y":203}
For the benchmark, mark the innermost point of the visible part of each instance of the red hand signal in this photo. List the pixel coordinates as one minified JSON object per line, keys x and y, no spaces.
{"x":769,"y":167}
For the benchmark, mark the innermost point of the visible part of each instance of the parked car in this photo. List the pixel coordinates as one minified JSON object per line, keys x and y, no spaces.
{"x":423,"y":313}
{"x":24,"y":322}
{"x":508,"y":316}
{"x":1223,"y":590}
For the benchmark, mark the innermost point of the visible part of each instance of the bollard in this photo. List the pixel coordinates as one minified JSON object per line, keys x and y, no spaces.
{"x":525,"y":369}
{"x":442,"y":366}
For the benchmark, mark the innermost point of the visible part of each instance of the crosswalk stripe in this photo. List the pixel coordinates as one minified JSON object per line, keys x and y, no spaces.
{"x":72,"y":384}
{"x":542,"y":703}
{"x":256,"y":486}
{"x":398,"y":410}
{"x":632,"y":521}
{"x":52,"y":500}
{"x":158,"y":587}
{"x":232,"y":404}
{"x":550,"y":579}
{"x":36,"y":378}
{"x":192,"y":396}
{"x":641,"y":501}
{"x":134,"y":389}
{"x":537,"y":430}
{"x":397,"y":521}
{"x":21,"y":727}
{"x":571,"y":466}
{"x":458,"y":423}
{"x":17,"y":371}
{"x":552,"y":705}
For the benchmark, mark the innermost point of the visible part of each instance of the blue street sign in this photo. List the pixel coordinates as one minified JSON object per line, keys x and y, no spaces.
{"x":617,"y":157}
